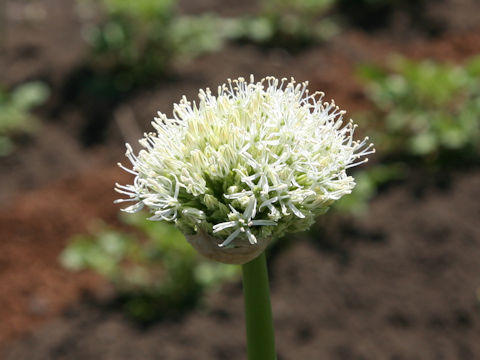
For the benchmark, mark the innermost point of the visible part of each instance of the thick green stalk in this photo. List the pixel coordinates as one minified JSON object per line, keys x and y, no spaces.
{"x":258,"y":311}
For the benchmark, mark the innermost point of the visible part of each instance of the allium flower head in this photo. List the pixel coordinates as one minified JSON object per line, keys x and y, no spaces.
{"x":250,"y":164}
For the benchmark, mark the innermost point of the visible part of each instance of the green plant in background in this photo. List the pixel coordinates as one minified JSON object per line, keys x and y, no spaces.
{"x":195,"y":35}
{"x":155,"y":271}
{"x":430,"y":110}
{"x":131,"y":43}
{"x":138,"y":41}
{"x":15,"y":111}
{"x":288,"y":23}
{"x":298,"y":18}
{"x":424,"y":112}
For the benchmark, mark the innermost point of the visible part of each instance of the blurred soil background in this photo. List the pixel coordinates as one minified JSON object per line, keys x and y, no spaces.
{"x":399,"y":280}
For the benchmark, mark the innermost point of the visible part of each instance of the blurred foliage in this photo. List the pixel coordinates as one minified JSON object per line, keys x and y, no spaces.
{"x":288,"y":24}
{"x":137,"y":41}
{"x":195,"y":35}
{"x":154,"y":269}
{"x":429,"y":111}
{"x":425,"y":114}
{"x":130,"y":44}
{"x":15,"y":111}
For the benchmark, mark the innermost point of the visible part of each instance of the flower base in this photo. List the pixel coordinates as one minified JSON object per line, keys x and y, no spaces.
{"x":239,"y":254}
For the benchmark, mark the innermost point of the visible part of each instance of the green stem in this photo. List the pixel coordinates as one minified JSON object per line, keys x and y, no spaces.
{"x":258,"y":311}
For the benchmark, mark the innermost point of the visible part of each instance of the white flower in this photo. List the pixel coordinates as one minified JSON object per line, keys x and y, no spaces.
{"x":242,"y":223}
{"x":255,"y":161}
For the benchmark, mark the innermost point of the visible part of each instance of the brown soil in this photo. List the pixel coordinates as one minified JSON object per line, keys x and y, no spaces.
{"x":402,"y":284}
{"x":399,"y":283}
{"x":33,"y":232}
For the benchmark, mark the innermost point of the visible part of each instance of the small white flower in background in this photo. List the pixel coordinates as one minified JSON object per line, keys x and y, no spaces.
{"x":255,"y":161}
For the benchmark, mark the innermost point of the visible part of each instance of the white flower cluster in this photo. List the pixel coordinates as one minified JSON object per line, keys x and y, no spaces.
{"x":255,"y":161}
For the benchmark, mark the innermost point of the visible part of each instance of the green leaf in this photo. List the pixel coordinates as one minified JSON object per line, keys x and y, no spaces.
{"x":29,"y":95}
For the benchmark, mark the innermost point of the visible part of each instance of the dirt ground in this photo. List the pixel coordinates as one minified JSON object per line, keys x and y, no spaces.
{"x":400,"y":283}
